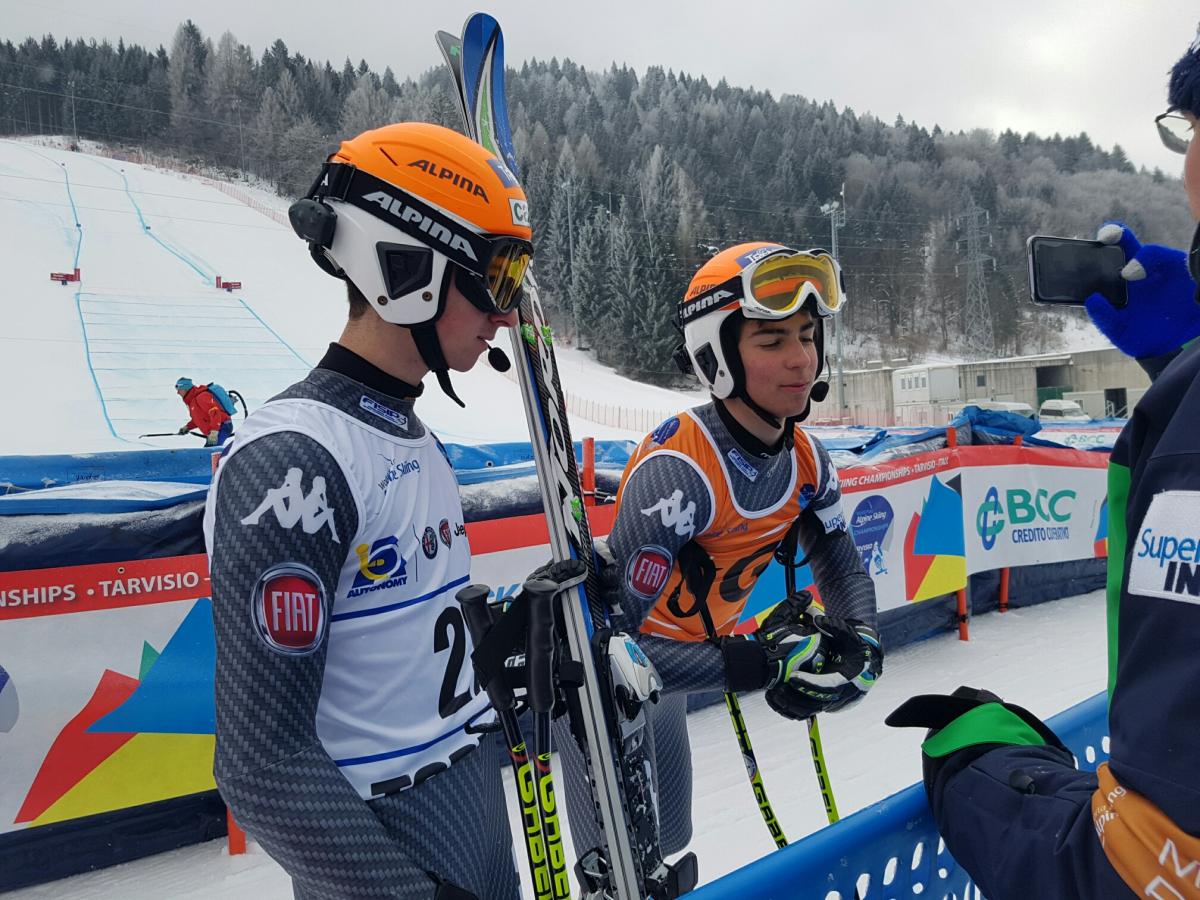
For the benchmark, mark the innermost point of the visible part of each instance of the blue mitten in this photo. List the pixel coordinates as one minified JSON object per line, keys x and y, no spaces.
{"x":1162,"y":314}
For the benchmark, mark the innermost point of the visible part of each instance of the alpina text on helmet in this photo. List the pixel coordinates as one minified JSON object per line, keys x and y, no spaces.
{"x":702,"y":304}
{"x":460,"y":181}
{"x":424,"y":224}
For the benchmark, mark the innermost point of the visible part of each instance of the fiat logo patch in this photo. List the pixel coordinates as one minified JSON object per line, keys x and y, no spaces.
{"x":647,"y":572}
{"x":289,"y":610}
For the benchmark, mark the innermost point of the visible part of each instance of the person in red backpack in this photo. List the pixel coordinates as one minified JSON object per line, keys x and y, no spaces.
{"x":206,"y":413}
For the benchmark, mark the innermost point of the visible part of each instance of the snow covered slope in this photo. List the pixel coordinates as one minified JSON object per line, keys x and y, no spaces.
{"x":91,"y":366}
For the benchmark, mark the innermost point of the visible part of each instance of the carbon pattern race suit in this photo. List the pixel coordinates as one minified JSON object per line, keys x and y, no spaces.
{"x":344,"y":692}
{"x":702,"y":482}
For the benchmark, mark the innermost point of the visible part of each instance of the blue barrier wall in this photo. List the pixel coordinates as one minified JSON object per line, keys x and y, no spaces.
{"x":891,"y":849}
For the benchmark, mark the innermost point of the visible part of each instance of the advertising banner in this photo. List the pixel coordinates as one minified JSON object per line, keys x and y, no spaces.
{"x":1036,"y":506}
{"x":106,"y":669}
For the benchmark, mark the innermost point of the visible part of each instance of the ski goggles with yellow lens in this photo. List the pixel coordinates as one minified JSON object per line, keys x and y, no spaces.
{"x":779,"y":285}
{"x":775,"y":287}
{"x":506,"y":273}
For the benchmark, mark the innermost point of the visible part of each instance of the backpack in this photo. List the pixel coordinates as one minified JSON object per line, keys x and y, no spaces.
{"x":223,"y":397}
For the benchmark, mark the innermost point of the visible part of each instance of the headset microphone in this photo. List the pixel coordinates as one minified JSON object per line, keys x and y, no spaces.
{"x":498,"y":359}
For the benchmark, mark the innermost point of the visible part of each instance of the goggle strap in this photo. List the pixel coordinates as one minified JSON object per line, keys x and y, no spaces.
{"x":405,"y":212}
{"x":333,"y":181}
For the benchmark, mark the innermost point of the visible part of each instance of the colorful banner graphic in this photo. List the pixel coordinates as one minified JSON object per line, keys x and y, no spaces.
{"x":106,"y":670}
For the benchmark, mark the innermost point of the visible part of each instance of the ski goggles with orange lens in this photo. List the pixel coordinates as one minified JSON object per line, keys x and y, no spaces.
{"x":777,"y":286}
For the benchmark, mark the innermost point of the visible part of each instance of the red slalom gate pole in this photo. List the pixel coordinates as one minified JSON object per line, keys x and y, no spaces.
{"x":237,"y":837}
{"x":587,"y":477}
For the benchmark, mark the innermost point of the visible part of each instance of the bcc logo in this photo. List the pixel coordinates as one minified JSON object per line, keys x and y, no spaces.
{"x":1020,"y":507}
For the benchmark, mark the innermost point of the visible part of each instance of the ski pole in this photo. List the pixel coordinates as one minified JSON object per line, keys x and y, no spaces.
{"x":818,"y":758}
{"x":789,"y":543}
{"x":170,"y":434}
{"x":749,"y":760}
{"x":752,"y":771}
{"x":473,"y":600}
{"x":539,"y":669}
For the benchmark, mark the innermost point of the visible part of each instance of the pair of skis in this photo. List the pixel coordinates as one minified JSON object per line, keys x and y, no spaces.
{"x":611,"y":735}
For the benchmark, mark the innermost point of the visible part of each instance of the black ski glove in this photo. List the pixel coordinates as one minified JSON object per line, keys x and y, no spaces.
{"x":609,"y":576}
{"x":964,"y":726}
{"x":817,"y":663}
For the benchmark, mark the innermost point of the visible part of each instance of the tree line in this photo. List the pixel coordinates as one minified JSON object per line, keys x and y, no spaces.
{"x":634,"y":180}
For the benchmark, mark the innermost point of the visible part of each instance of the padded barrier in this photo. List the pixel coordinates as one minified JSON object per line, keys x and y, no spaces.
{"x":891,"y":849}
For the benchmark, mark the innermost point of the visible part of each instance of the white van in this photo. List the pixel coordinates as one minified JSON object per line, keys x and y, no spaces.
{"x":1053,"y":411}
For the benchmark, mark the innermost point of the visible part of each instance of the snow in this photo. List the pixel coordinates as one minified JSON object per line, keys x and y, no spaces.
{"x":866,"y":760}
{"x":91,"y":366}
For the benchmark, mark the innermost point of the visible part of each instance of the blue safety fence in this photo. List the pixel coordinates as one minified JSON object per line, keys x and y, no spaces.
{"x":890,"y":849}
{"x":477,"y":465}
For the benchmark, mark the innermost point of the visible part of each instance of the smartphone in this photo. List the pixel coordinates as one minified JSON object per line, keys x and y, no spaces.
{"x":1066,"y":271}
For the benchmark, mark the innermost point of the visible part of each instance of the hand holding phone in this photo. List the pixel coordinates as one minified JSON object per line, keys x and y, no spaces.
{"x":1162,"y":314}
{"x":1066,"y":271}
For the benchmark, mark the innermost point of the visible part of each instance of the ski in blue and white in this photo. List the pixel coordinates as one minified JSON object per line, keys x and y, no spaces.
{"x":630,"y":865}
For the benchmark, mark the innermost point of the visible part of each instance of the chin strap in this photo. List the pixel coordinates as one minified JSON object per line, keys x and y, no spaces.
{"x":772,"y":420}
{"x":819,"y":392}
{"x":430,"y":348}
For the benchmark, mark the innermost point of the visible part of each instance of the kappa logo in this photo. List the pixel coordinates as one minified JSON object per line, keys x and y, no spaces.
{"x":444,"y":174}
{"x":288,"y":608}
{"x":290,"y":505}
{"x":424,"y":223}
{"x":674,"y":514}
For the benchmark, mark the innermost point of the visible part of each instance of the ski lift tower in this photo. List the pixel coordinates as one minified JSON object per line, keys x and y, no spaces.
{"x":977,"y":329}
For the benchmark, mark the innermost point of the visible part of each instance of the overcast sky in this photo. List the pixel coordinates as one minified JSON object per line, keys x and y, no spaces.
{"x":1031,"y":65}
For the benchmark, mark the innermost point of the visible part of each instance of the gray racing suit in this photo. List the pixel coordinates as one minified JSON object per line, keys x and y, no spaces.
{"x":345,"y":697}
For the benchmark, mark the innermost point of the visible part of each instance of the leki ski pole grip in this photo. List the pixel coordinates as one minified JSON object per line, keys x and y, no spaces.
{"x":539,"y":651}
{"x":473,"y":600}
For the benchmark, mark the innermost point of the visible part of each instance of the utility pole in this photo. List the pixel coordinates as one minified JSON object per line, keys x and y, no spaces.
{"x":836,"y":210}
{"x":977,"y":328}
{"x":569,"y":187}
{"x":74,"y":130}
{"x":237,"y":105}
